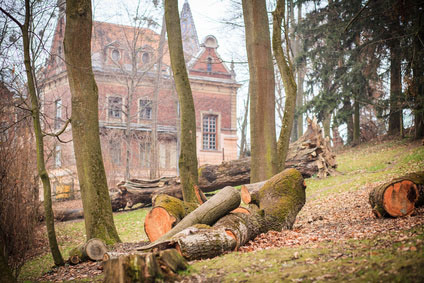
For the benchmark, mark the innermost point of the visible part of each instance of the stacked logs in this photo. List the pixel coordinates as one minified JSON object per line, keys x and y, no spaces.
{"x":399,"y":197}
{"x":277,"y":203}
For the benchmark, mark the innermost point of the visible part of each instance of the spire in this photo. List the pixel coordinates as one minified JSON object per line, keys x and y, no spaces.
{"x":188,"y":31}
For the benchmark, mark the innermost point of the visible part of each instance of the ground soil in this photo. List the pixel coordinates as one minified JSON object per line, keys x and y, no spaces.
{"x":336,"y":218}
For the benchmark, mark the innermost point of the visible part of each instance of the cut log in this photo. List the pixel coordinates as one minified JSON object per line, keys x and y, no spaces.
{"x":166,"y":213}
{"x":280,"y":200}
{"x":228,"y":173}
{"x":93,"y":249}
{"x":398,"y":197}
{"x":249,"y":192}
{"x":144,"y":267}
{"x":208,"y":213}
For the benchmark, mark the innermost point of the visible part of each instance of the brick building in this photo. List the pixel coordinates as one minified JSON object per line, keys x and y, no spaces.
{"x":126,"y":67}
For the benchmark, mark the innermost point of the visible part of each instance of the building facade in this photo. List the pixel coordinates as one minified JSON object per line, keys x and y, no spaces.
{"x":132,"y":77}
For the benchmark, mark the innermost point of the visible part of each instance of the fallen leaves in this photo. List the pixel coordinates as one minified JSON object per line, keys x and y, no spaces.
{"x":339,"y":217}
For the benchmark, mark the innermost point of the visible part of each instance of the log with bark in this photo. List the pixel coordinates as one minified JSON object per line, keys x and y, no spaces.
{"x":167,"y":211}
{"x":93,"y":249}
{"x":399,"y":197}
{"x":208,"y":213}
{"x":143,"y":267}
{"x":279,"y":201}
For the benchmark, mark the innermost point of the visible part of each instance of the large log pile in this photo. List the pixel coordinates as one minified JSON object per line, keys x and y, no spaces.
{"x":278,"y":203}
{"x":399,"y":197}
{"x":215,"y":226}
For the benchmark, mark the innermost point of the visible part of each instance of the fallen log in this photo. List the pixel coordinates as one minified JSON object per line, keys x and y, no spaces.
{"x":399,"y":197}
{"x":311,"y":154}
{"x":167,"y":211}
{"x":93,"y":249}
{"x":280,"y":200}
{"x":208,"y":213}
{"x":144,"y":267}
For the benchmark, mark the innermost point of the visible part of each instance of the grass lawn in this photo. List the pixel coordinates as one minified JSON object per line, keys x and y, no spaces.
{"x":387,"y":256}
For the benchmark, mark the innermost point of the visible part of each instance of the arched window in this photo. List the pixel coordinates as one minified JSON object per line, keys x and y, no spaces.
{"x":116,"y":55}
{"x":145,"y":58}
{"x":209,"y":66}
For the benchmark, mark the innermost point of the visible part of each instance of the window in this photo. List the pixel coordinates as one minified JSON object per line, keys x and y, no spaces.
{"x":114,"y":107}
{"x":116,"y":55}
{"x":145,"y":109}
{"x":145,"y":154}
{"x":115,"y":151}
{"x":209,"y":132}
{"x":209,"y":66}
{"x":58,"y":114}
{"x":145,"y":58}
{"x":57,"y":157}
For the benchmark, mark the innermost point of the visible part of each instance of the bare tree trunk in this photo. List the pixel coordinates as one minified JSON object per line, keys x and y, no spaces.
{"x":395,"y":88}
{"x":188,"y":155}
{"x":356,"y":123}
{"x":85,"y":123}
{"x":261,"y":87}
{"x":5,"y":272}
{"x":418,"y":85}
{"x":286,"y":70}
{"x":154,"y":164}
{"x":35,"y":113}
{"x":243,"y":130}
{"x":300,"y":79}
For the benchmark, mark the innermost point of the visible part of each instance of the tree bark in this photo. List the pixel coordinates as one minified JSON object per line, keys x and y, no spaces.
{"x":188,"y":155}
{"x":261,"y":87}
{"x":395,"y":87}
{"x":356,"y":123}
{"x":154,"y":158}
{"x":85,"y":123}
{"x":287,"y":74}
{"x":399,"y":197}
{"x":144,"y":267}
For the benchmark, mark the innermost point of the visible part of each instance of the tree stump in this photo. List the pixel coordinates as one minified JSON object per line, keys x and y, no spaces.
{"x":93,"y":249}
{"x":398,"y":197}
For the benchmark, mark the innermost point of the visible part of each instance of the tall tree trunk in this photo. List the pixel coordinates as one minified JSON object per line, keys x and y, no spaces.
{"x":243,"y":130}
{"x":395,"y":88}
{"x":347,"y":108}
{"x":418,"y":81}
{"x":356,"y":123}
{"x":35,"y":113}
{"x":300,"y":80}
{"x":264,"y":162}
{"x":85,"y":123}
{"x":154,"y":158}
{"x":188,"y":155}
{"x":127,"y":134}
{"x":286,"y":70}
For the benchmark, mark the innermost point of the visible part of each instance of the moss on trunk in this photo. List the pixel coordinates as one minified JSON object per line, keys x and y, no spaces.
{"x":85,"y":123}
{"x":262,"y":91}
{"x":287,"y":74}
{"x":281,"y":199}
{"x":188,"y":155}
